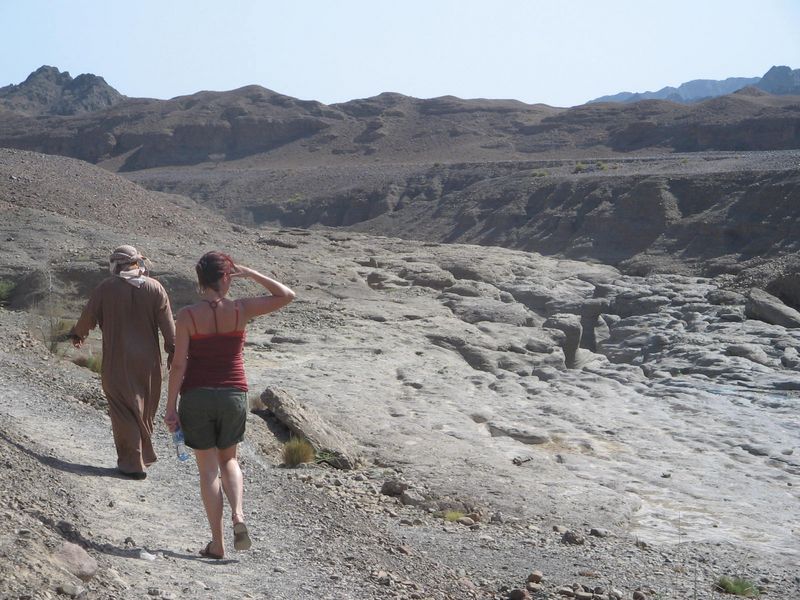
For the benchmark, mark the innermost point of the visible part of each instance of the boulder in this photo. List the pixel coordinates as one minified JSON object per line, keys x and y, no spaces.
{"x":770,"y":309}
{"x":571,"y":326}
{"x":427,"y":275}
{"x":305,"y":422}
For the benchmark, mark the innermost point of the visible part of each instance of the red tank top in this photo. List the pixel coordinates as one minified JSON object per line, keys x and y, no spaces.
{"x":215,"y":359}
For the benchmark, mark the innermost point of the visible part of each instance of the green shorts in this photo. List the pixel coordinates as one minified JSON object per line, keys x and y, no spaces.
{"x":213,"y":417}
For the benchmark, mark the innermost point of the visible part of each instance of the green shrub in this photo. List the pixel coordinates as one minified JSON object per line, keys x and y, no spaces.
{"x":93,"y":362}
{"x":602,"y":166}
{"x":324,"y":456}
{"x":49,"y":326}
{"x":737,"y":586}
{"x":297,"y":451}
{"x":6,"y":289}
{"x":579,"y":168}
{"x":540,"y":173}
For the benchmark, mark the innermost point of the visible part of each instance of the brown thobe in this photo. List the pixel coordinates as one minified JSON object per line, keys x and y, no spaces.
{"x":130,"y":319}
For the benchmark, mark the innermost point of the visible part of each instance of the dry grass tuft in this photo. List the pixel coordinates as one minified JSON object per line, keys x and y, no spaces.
{"x":93,"y":362}
{"x":297,"y":451}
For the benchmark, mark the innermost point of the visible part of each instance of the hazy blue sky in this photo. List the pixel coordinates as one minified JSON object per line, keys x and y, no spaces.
{"x":560,"y":52}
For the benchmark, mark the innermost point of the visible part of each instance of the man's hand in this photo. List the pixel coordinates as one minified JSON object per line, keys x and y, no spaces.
{"x":170,"y":356}
{"x":77,"y":340}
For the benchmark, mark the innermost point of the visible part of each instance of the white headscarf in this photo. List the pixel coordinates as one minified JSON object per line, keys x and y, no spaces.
{"x":128,"y":256}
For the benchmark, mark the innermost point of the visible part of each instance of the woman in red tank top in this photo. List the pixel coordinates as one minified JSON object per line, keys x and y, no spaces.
{"x":208,"y":373}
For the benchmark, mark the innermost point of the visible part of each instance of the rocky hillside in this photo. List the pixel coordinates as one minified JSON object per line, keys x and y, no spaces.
{"x":699,"y":213}
{"x":48,"y":91}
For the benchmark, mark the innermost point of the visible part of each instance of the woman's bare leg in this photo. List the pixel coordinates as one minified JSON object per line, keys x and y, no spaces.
{"x":232,"y":481}
{"x":211,"y":492}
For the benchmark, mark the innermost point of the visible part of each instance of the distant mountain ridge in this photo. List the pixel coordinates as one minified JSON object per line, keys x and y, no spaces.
{"x":48,"y":91}
{"x":779,"y":80}
{"x":52,"y":113}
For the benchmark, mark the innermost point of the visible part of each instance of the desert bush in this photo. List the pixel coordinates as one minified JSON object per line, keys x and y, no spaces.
{"x":93,"y":362}
{"x":296,"y":451}
{"x":51,"y":328}
{"x":602,"y":166}
{"x":579,"y":168}
{"x":6,"y":289}
{"x":452,"y":515}
{"x":737,"y":586}
{"x":324,"y":456}
{"x":540,"y":173}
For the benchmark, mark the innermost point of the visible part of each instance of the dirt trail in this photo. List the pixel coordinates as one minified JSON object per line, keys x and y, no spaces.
{"x":58,"y":460}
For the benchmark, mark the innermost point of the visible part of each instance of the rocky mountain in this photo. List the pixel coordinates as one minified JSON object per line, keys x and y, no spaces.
{"x":48,"y":91}
{"x":778,"y":80}
{"x":270,"y":128}
{"x":691,"y":91}
{"x":781,"y":80}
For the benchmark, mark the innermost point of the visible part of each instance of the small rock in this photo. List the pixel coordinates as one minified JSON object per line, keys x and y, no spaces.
{"x":565,"y":591}
{"x":599,"y":532}
{"x":412,"y":498}
{"x":518,"y":594}
{"x":71,"y":590}
{"x":394,"y":487}
{"x":117,"y":579}
{"x":572,"y":537}
{"x":535,"y":577}
{"x":145,"y":555}
{"x":76,"y":560}
{"x":584,"y":595}
{"x":497,"y":518}
{"x":466,"y":521}
{"x":615,"y":594}
{"x":639,"y":595}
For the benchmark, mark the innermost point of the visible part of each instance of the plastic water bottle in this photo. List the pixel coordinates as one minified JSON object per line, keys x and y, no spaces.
{"x":180,"y":444}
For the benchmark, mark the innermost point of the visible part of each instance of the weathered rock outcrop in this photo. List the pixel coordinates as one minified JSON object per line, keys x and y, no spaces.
{"x":302,"y":420}
{"x":766,"y":307}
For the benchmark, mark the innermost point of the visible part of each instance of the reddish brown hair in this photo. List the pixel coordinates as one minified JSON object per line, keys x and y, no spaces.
{"x":211,"y":267}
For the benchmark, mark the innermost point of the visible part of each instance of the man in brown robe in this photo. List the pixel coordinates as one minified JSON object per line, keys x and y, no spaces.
{"x":130,"y":309}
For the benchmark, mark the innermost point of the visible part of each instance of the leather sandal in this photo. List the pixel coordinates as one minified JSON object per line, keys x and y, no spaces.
{"x":207,"y":553}
{"x":241,"y":538}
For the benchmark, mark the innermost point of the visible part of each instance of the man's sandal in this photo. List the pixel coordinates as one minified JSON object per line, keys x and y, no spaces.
{"x":241,"y":539}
